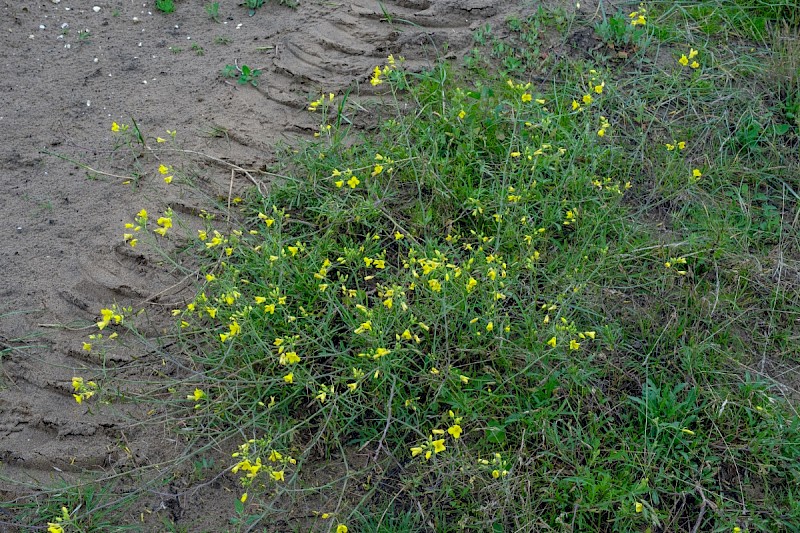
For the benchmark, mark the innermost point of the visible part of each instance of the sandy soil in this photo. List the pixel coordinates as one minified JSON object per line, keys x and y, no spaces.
{"x":61,"y":255}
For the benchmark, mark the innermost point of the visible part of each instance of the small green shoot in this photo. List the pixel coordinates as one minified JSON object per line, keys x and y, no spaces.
{"x":243,"y":74}
{"x":165,"y":6}
{"x":212,"y":10}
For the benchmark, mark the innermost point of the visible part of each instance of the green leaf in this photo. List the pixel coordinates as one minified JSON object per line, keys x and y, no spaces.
{"x":496,"y":433}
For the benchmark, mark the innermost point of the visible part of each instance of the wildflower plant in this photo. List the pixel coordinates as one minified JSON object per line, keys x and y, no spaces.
{"x":476,"y":299}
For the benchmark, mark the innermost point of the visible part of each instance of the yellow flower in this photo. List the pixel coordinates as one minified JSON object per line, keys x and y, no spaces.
{"x":162,"y":169}
{"x":353,"y":182}
{"x":526,"y":97}
{"x":601,"y":132}
{"x":670,"y":147}
{"x":376,"y":77}
{"x":574,"y":345}
{"x":243,"y":498}
{"x":575,"y":105}
{"x":639,"y":507}
{"x":694,"y":64}
{"x":167,"y":179}
{"x":197,"y":395}
{"x":142,"y":214}
{"x":462,"y":114}
{"x":692,"y":53}
{"x":160,"y":140}
{"x":165,"y":222}
{"x":552,"y":342}
{"x":696,"y":174}
{"x":365,"y":326}
{"x":51,"y":526}
{"x":415,"y":451}
{"x":438,"y":446}
{"x":114,"y":127}
{"x":683,"y":60}
{"x":87,"y":346}
{"x":455,"y":431}
{"x":277,"y":475}
{"x":377,"y":170}
{"x":490,"y":326}
{"x":681,"y":145}
{"x":341,"y":528}
{"x":289,"y":378}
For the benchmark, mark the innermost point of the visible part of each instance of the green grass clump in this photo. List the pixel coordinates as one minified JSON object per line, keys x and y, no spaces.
{"x":473,"y":298}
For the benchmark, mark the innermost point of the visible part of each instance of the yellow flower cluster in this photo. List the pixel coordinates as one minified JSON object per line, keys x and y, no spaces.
{"x":166,"y":172}
{"x":436,"y":440}
{"x":251,"y":464}
{"x":639,"y":17}
{"x":680,"y":145}
{"x":678,"y":264}
{"x":83,"y":389}
{"x":596,"y":86}
{"x":685,"y":59}
{"x":498,"y":465}
{"x":108,"y":315}
{"x":58,"y":525}
{"x":377,"y":74}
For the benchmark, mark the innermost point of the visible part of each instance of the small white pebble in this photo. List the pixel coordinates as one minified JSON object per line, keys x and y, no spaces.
{"x":238,"y":25}
{"x":88,"y":103}
{"x":56,"y":1}
{"x":96,"y":9}
{"x":145,"y":82}
{"x":96,"y":60}
{"x":67,"y":46}
{"x":31,"y":36}
{"x":140,"y":44}
{"x":189,"y":38}
{"x":64,"y":26}
{"x":176,"y":26}
{"x":135,"y":19}
{"x":42,"y":26}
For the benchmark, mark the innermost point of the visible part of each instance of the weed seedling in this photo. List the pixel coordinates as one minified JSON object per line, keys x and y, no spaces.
{"x":243,"y":74}
{"x":165,"y":6}
{"x":212,"y":10}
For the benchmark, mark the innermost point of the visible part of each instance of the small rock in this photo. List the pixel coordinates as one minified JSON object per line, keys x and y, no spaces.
{"x":96,"y":9}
